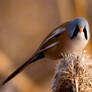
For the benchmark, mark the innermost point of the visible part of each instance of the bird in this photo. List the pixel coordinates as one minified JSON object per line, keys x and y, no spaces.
{"x":71,"y":36}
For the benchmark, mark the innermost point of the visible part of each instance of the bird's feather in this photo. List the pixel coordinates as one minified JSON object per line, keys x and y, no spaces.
{"x":52,"y":36}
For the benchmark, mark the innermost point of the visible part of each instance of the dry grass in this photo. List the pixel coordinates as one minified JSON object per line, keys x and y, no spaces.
{"x":73,"y":74}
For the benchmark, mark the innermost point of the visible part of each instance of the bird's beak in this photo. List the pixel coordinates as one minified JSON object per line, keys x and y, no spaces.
{"x":81,"y":29}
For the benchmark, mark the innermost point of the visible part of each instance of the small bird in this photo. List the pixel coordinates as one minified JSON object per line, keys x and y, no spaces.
{"x":69,"y":37}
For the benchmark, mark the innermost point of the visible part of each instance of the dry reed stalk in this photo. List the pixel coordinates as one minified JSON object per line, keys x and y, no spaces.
{"x":73,"y":74}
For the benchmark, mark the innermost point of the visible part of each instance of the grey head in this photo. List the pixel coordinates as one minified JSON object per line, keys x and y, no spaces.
{"x":76,"y":25}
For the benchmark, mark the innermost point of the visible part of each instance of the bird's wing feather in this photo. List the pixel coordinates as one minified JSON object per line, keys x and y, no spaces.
{"x":55,"y":33}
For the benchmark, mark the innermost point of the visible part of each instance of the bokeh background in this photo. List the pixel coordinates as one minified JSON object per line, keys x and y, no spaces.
{"x":23,"y":26}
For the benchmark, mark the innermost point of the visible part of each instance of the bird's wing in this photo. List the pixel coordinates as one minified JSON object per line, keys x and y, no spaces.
{"x":51,"y":41}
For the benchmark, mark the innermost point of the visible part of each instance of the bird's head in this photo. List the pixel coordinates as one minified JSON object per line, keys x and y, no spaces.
{"x":79,"y":29}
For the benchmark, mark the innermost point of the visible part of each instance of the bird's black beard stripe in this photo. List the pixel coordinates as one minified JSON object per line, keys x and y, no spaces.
{"x":75,"y":32}
{"x":85,"y":33}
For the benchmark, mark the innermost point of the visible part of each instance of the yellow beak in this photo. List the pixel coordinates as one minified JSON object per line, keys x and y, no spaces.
{"x":81,"y":29}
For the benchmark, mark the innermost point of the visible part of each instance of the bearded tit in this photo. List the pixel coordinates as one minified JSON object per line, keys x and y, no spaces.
{"x":69,"y":37}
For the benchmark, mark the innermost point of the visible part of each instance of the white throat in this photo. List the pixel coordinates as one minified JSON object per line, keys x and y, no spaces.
{"x":80,"y":41}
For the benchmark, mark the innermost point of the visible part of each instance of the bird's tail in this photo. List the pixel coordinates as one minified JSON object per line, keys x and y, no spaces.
{"x":35,"y":57}
{"x":38,"y":55}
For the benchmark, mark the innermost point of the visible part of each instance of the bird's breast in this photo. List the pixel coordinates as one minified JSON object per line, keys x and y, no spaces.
{"x":74,"y":45}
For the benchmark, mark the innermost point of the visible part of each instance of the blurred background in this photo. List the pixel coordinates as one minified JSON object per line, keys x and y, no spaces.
{"x":23,"y":26}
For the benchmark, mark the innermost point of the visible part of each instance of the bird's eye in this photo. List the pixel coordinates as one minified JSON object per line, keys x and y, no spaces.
{"x":85,"y":33}
{"x":75,"y":32}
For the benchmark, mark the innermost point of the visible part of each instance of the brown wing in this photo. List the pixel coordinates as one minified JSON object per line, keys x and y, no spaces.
{"x":55,"y":51}
{"x":52,"y":39}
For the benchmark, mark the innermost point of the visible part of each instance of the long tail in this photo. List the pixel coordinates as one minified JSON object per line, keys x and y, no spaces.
{"x":30,"y":61}
{"x":37,"y":56}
